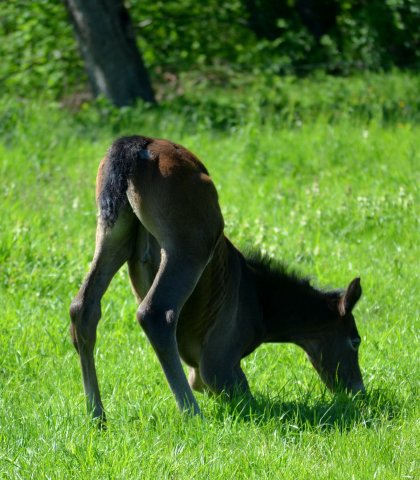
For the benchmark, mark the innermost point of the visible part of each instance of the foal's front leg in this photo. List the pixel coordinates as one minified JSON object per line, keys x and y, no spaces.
{"x":113,"y":248}
{"x":195,"y":381}
{"x":221,"y":372}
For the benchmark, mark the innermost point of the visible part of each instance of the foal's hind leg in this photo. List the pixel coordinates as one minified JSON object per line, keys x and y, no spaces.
{"x":178,"y":274}
{"x":114,"y":246}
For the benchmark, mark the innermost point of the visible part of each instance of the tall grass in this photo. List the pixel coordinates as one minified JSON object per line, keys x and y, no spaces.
{"x":335,"y":197}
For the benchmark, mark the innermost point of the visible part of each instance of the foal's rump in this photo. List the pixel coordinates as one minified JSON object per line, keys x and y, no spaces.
{"x":167,"y":187}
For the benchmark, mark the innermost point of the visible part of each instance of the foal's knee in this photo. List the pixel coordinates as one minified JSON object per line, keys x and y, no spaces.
{"x":84,"y":320}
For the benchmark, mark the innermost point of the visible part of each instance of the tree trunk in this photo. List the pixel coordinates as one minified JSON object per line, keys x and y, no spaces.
{"x":106,"y":39}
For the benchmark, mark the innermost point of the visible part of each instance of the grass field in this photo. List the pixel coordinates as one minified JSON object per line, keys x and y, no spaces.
{"x":334,"y":199}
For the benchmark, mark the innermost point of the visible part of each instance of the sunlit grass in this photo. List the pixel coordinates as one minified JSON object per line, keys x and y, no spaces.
{"x":334,"y":199}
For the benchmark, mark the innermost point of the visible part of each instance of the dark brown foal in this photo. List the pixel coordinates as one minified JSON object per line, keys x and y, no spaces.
{"x":200,"y":299}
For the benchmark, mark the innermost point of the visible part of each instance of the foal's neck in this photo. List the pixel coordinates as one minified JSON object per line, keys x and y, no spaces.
{"x":291,"y":307}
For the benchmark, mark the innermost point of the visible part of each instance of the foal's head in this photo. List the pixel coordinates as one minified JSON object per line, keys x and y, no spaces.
{"x":333,"y":349}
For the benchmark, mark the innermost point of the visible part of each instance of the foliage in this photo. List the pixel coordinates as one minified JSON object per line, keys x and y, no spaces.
{"x":379,"y":33}
{"x":339,"y":36}
{"x":334,"y":196}
{"x":211,"y":41}
{"x":184,"y":35}
{"x":352,"y":33}
{"x":283,"y":102}
{"x":38,"y":50}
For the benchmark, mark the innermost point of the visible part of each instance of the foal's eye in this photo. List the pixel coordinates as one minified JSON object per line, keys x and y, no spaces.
{"x":355,"y":343}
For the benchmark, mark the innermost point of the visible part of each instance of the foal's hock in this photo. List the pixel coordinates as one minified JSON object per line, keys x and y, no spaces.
{"x":200,"y":299}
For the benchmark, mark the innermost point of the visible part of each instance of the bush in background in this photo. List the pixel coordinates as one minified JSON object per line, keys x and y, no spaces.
{"x":213,"y":41}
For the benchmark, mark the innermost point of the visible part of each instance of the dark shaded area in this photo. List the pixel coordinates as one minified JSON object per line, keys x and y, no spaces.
{"x":339,"y":35}
{"x":326,"y":413}
{"x":340,"y":412}
{"x":264,"y":16}
{"x":318,"y":16}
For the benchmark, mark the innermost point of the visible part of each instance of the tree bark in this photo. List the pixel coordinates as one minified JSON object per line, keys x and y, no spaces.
{"x":106,"y":39}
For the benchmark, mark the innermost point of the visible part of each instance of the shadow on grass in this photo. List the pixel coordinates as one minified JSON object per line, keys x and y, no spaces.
{"x":315,"y":411}
{"x":310,"y":411}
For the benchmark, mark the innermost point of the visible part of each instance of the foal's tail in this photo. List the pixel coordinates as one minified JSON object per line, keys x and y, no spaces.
{"x":122,"y":156}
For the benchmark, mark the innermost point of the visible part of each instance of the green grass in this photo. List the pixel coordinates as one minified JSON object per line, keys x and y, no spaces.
{"x":335,"y":199}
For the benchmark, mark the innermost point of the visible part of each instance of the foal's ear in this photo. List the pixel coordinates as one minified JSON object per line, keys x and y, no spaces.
{"x":350,"y":298}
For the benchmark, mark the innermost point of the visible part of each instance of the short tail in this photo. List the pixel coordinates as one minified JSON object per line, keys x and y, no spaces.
{"x":123,"y":154}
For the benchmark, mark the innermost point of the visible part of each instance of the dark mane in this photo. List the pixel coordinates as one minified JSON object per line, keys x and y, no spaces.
{"x":276,"y":272}
{"x":289,"y":303}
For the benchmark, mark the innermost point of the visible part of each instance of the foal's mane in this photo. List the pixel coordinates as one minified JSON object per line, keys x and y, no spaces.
{"x":275,"y":274}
